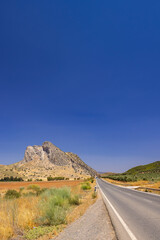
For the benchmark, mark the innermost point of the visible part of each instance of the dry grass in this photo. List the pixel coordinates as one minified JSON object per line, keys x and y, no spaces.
{"x":18,"y":215}
{"x":138,"y":183}
{"x":86,"y":201}
{"x":155,"y":185}
{"x":145,"y":184}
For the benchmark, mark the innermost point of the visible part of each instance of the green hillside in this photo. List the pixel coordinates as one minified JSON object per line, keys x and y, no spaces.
{"x":149,"y":172}
{"x":148,"y":168}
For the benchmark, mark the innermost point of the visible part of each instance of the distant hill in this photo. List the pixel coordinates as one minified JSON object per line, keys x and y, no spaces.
{"x":40,"y":162}
{"x":150,"y":172}
{"x":148,"y":168}
{"x":106,"y":173}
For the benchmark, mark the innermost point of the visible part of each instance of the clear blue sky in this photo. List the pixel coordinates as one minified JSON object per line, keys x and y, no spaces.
{"x":84,"y":75}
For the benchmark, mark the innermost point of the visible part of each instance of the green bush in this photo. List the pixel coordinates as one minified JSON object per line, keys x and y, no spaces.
{"x":54,"y":205}
{"x":38,"y":232}
{"x":86,"y":186}
{"x":74,"y":200}
{"x":35,"y":188}
{"x":129,"y":180}
{"x":64,"y":192}
{"x":55,"y":178}
{"x":52,"y":214}
{"x":10,"y":194}
{"x":11,"y":179}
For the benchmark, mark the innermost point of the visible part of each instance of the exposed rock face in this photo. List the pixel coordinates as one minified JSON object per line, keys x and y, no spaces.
{"x":46,"y":152}
{"x":54,"y":154}
{"x":33,"y":153}
{"x":77,"y":162}
{"x":49,"y":157}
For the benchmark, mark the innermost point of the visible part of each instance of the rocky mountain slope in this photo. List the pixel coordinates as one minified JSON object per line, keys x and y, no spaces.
{"x":40,"y":162}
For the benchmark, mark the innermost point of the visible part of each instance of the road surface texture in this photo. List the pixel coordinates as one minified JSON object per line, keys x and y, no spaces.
{"x":135,"y":215}
{"x":93,"y":225}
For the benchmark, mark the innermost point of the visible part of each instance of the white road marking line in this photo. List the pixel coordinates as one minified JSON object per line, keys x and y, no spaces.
{"x":148,"y":200}
{"x":119,"y":217}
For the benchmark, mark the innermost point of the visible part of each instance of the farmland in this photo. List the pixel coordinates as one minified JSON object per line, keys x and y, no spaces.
{"x":43,"y":184}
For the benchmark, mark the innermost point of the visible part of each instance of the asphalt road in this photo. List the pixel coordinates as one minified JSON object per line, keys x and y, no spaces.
{"x":135,"y":215}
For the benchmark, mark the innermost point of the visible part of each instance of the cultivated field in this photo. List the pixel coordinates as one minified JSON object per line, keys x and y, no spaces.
{"x":47,"y":184}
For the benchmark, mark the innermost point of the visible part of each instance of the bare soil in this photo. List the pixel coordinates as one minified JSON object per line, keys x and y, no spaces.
{"x":49,"y":184}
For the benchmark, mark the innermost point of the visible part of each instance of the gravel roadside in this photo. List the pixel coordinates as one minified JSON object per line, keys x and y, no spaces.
{"x":94,"y":224}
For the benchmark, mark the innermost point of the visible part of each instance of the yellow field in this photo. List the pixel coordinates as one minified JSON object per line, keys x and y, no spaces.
{"x":47,"y":184}
{"x":138,"y":183}
{"x":18,"y":215}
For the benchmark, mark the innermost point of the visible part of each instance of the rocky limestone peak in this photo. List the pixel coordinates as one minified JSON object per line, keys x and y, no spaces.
{"x":49,"y":157}
{"x":34,"y":153}
{"x":55,"y":155}
{"x":48,"y":152}
{"x":78,"y":162}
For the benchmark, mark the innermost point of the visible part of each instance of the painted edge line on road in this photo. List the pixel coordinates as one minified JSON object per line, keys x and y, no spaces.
{"x":118,"y":216}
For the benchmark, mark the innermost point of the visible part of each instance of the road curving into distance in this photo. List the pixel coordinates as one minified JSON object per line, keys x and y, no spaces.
{"x":135,"y":215}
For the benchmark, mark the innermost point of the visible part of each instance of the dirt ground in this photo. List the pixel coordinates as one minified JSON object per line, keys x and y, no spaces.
{"x":17,"y":185}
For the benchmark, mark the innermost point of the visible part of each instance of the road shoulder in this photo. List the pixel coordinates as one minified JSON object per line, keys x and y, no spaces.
{"x":94,"y":224}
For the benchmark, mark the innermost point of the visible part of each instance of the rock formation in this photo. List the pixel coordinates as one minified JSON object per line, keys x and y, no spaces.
{"x":48,"y":160}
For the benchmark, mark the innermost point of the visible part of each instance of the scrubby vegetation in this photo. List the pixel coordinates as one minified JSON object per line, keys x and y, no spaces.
{"x":35,"y":211}
{"x":148,"y":168}
{"x":55,"y":178}
{"x":86,"y":186}
{"x":54,"y":205}
{"x":38,"y":232}
{"x":11,"y":179}
{"x":74,"y":200}
{"x":10,"y":194}
{"x":91,"y":180}
{"x":122,"y":178}
{"x":135,"y":177}
{"x":149,"y":172}
{"x":36,"y":189}
{"x":29,"y":180}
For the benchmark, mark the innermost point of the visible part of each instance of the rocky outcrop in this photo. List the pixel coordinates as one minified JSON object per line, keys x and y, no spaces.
{"x":77,"y":162}
{"x":55,"y":155}
{"x":34,"y":153}
{"x":48,"y":156}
